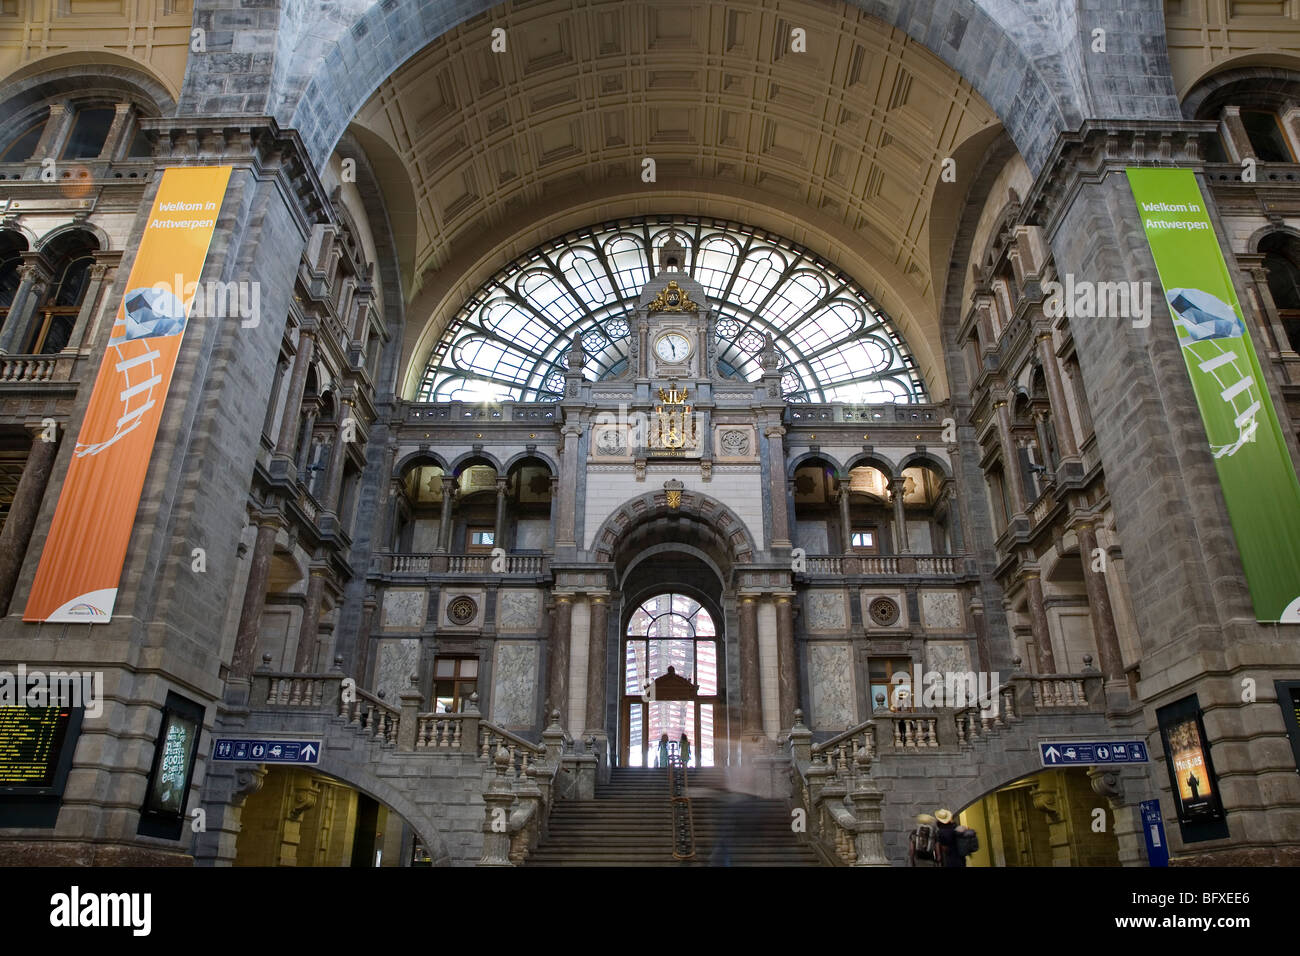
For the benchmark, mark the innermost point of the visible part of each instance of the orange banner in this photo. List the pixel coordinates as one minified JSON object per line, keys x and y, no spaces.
{"x":81,"y":563}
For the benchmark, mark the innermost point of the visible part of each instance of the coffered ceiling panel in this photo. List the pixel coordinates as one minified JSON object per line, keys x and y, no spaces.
{"x":855,"y":128}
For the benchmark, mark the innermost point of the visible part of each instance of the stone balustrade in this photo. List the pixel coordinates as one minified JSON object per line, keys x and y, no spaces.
{"x":477,"y":564}
{"x":35,"y":369}
{"x":832,"y":565}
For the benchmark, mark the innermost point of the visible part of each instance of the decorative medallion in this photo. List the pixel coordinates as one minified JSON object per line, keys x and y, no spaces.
{"x":883,"y":611}
{"x":673,"y":299}
{"x":462,"y":610}
{"x":735,"y":444}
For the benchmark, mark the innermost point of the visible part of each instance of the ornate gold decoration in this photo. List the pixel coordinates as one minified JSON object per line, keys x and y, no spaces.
{"x":674,"y":421}
{"x":673,"y":299}
{"x":674,"y":499}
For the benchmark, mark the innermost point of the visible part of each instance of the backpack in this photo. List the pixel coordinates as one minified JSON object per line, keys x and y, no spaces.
{"x":923,"y":844}
{"x":968,"y":841}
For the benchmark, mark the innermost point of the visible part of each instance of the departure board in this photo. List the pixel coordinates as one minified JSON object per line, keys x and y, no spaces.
{"x":31,"y":742}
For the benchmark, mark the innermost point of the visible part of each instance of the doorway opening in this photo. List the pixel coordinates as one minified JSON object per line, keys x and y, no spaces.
{"x":670,"y":681}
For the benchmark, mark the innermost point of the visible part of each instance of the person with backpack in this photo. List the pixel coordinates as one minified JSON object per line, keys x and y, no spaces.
{"x":956,"y":842}
{"x":922,"y":847}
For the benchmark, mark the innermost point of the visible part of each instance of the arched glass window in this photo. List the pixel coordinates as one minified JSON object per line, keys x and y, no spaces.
{"x":89,"y":132}
{"x":511,"y":338}
{"x":1281,"y":251}
{"x":71,"y":255}
{"x":22,"y":146}
{"x":669,"y":633}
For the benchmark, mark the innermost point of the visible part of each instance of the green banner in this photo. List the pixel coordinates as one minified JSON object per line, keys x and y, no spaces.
{"x":1255,"y":469}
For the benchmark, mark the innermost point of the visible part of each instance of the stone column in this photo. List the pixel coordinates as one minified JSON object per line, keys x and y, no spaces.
{"x":1056,"y":398}
{"x":1038,"y":615}
{"x":293,"y":401}
{"x":308,"y":635}
{"x":846,"y":521}
{"x":787,"y":660}
{"x":564,"y":530}
{"x":444,"y":522}
{"x":596,"y":661}
{"x":1103,"y":618}
{"x":303,"y":458}
{"x":559,"y":677}
{"x":1010,"y":460}
{"x":112,"y":142}
{"x":776,"y":486}
{"x":499,"y":529}
{"x":89,"y":302}
{"x":896,"y":486}
{"x":32,"y":284}
{"x":17,"y":533}
{"x":281,"y":370}
{"x":334,"y":471}
{"x":751,"y":691}
{"x":1269,"y":321}
{"x":250,"y":617}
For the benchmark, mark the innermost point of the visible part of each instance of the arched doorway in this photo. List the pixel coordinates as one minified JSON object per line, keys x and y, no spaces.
{"x":670,"y":680}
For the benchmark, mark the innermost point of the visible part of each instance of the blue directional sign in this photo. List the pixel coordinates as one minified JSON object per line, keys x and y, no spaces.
{"x":1067,"y":753}
{"x":267,"y":751}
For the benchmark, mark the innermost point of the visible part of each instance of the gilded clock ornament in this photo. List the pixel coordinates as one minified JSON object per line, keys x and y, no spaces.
{"x":673,"y":298}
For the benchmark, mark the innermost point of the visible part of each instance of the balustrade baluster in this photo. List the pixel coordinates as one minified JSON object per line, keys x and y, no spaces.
{"x":897,"y":738}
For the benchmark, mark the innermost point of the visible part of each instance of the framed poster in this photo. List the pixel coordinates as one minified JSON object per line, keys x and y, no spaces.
{"x":177,"y":747}
{"x":1191,"y":771}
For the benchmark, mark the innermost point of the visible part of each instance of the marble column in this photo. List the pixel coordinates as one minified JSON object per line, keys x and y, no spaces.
{"x":292,"y":416}
{"x":499,"y":528}
{"x":89,"y":302}
{"x":308,"y":636}
{"x":846,"y":520}
{"x":32,"y":283}
{"x":596,"y":662}
{"x":776,"y":486}
{"x":1010,"y":460}
{"x":1103,"y":618}
{"x":250,"y":616}
{"x":751,"y":690}
{"x":896,"y":486}
{"x":26,"y":506}
{"x":1038,"y":617}
{"x":304,"y":455}
{"x":444,"y":522}
{"x":1056,"y":397}
{"x":787,"y":660}
{"x":334,"y":470}
{"x":564,"y":530}
{"x":559,"y":676}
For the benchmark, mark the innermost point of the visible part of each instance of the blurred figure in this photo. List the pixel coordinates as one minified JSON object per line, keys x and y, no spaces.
{"x":662,"y":759}
{"x":922,"y":843}
{"x":684,"y":748}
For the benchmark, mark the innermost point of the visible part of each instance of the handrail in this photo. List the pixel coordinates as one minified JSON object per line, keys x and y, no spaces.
{"x":680,"y":804}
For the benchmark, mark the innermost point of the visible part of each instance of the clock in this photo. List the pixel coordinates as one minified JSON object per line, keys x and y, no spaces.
{"x":673,"y":347}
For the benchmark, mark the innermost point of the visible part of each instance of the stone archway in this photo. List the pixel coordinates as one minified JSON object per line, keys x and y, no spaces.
{"x":707,"y":521}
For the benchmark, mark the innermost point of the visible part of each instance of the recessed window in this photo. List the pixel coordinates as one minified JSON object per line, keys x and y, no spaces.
{"x":1264,"y":131}
{"x":455,"y":679}
{"x":140,"y":147}
{"x":21,"y":148}
{"x":864,"y":540}
{"x":891,"y":682}
{"x":89,"y":131}
{"x":481,"y":539}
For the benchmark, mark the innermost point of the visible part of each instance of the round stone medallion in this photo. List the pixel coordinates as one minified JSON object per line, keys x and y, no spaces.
{"x":883,"y":611}
{"x":462,"y":610}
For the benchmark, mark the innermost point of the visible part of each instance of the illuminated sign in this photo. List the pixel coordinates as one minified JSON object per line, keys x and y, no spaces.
{"x":177,"y":747}
{"x":33,"y":741}
{"x":1191,"y":771}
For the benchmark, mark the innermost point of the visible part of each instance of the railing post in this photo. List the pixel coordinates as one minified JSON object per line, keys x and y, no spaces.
{"x":800,"y":740}
{"x":408,"y":724}
{"x":469,"y":725}
{"x":553,"y":736}
{"x":868,"y":836}
{"x":496,"y":815}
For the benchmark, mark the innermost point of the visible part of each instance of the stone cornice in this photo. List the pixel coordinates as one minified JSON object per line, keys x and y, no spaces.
{"x":1100,"y":147}
{"x":258,"y":142}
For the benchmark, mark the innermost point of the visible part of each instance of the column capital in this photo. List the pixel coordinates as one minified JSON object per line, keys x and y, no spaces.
{"x":774,"y":431}
{"x":563,"y":598}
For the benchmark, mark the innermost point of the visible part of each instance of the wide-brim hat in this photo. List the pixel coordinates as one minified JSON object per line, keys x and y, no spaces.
{"x":943,"y":816}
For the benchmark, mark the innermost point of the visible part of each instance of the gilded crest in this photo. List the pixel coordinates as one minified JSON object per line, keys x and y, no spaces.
{"x":673,"y":298}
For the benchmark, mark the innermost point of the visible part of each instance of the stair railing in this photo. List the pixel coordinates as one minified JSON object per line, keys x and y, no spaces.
{"x":679,"y":798}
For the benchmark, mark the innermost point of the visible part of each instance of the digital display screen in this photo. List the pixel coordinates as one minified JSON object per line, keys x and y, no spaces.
{"x":1194,"y":787}
{"x":167,"y":794}
{"x":31,"y":742}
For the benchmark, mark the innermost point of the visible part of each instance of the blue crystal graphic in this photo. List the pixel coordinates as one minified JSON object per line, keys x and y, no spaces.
{"x":151,"y":312}
{"x":1204,"y":316}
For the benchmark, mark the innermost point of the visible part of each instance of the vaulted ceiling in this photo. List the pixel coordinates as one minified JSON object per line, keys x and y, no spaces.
{"x":840,"y":147}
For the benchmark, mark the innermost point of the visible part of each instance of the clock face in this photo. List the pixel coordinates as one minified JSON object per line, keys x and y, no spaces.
{"x":673,"y":347}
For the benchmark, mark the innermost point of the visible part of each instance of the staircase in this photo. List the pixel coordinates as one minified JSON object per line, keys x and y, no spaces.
{"x":629,"y":823}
